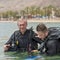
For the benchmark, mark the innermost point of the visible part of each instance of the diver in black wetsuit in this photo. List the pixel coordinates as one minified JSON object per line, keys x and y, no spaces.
{"x":49,"y":39}
{"x":21,"y":39}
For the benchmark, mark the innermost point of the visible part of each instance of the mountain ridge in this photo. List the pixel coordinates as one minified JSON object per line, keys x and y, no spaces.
{"x":21,"y":4}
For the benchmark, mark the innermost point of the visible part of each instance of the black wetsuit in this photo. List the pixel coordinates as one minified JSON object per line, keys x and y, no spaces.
{"x":51,"y":43}
{"x":19,"y":41}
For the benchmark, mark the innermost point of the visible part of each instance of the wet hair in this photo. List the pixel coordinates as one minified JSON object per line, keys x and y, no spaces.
{"x":41,"y":27}
{"x":20,"y":20}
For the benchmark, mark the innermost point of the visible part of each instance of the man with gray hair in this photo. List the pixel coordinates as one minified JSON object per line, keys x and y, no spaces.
{"x":21,"y":40}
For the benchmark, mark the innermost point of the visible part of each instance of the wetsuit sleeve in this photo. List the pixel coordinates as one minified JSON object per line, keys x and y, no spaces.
{"x":11,"y":39}
{"x":35,"y":41}
{"x":51,"y":47}
{"x":38,"y":40}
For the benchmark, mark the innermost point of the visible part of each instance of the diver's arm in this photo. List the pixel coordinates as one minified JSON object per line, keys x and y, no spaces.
{"x":38,"y":40}
{"x":8,"y":43}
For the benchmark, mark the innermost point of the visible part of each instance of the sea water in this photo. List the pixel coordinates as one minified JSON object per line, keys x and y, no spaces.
{"x":6,"y":30}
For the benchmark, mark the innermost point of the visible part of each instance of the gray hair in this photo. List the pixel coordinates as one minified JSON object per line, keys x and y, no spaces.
{"x":22,"y":19}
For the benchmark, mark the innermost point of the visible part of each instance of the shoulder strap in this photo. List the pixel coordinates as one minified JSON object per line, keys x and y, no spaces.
{"x":29,"y":42}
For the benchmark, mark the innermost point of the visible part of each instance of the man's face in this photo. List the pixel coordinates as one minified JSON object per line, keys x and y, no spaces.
{"x":22,"y":26}
{"x":41,"y":35}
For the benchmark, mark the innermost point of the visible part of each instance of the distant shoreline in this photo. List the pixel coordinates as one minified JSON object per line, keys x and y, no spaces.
{"x":38,"y":20}
{"x":44,"y":20}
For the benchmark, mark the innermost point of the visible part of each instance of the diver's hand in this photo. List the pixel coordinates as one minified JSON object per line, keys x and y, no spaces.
{"x":34,"y":51}
{"x":6,"y":47}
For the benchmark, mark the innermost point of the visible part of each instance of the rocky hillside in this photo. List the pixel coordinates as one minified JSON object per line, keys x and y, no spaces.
{"x":20,"y":4}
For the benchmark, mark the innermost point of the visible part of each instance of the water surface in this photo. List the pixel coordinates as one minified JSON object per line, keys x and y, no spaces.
{"x":6,"y":29}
